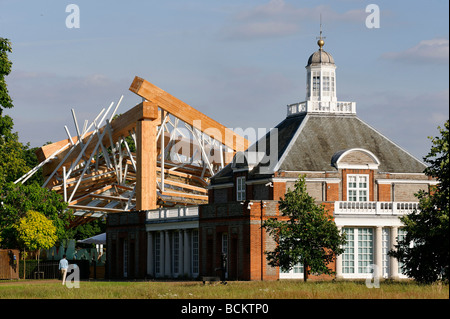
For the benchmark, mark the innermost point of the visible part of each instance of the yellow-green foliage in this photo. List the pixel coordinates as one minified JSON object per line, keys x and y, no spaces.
{"x":36,"y":231}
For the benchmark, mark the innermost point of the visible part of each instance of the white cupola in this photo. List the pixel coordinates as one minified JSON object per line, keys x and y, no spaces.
{"x":321,"y":86}
{"x":321,"y":75}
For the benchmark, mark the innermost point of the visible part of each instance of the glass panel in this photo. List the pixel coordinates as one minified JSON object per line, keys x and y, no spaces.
{"x":365,"y":249}
{"x":348,"y":257}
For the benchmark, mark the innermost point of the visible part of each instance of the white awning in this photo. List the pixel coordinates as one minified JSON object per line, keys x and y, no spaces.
{"x":98,"y":239}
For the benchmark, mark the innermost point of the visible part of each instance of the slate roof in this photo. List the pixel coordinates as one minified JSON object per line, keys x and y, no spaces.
{"x":307,"y":142}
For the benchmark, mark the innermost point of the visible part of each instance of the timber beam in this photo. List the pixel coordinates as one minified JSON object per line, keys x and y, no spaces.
{"x":188,"y":114}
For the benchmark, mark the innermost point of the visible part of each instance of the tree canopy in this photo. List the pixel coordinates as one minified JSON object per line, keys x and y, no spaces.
{"x":309,"y":236}
{"x":5,"y":69}
{"x":424,"y":252}
{"x":35,"y":231}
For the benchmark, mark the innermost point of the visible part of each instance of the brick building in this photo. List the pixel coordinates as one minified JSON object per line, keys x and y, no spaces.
{"x":365,"y":181}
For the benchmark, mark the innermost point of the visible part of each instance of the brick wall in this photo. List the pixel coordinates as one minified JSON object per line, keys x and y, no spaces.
{"x":128,"y":229}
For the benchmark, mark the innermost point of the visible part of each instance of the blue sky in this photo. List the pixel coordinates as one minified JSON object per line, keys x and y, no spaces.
{"x":239,"y":62}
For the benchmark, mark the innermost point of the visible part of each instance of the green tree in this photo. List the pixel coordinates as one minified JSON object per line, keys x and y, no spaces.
{"x":309,"y":236}
{"x":17,"y":199}
{"x":424,"y":252}
{"x":5,"y":69}
{"x":35,"y":232}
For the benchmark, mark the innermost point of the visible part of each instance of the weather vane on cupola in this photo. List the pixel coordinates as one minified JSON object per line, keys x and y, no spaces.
{"x":320,"y":43}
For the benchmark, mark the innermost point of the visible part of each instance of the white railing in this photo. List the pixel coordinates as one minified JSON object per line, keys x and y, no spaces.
{"x":375,"y":208}
{"x":321,"y":107}
{"x":171,"y":213}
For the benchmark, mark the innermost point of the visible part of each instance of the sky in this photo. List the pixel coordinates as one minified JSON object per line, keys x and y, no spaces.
{"x":239,"y":62}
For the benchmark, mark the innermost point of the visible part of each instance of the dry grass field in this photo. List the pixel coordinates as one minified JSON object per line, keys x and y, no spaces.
{"x":53,"y":289}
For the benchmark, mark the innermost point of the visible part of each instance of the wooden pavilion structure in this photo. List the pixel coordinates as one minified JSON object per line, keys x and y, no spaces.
{"x":160,"y":153}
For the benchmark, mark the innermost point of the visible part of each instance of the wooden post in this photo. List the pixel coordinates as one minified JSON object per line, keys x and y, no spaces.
{"x":146,"y":158}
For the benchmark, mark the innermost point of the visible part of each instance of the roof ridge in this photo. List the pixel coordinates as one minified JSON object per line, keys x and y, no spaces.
{"x":387,"y":138}
{"x":291,"y":142}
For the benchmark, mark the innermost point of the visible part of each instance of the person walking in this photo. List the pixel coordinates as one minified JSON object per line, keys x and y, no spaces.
{"x":63,"y":265}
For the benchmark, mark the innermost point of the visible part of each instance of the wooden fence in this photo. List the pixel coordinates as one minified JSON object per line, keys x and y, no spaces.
{"x":9,"y":264}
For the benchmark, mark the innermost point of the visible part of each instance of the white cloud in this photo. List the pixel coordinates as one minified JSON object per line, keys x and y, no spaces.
{"x":434,"y":51}
{"x":278,"y":18}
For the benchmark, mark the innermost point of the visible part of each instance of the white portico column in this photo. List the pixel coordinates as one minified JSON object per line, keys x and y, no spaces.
{"x":187,"y":252}
{"x":339,"y":260}
{"x":379,"y":252}
{"x":167,"y":255}
{"x":393,"y":260}
{"x":150,"y":260}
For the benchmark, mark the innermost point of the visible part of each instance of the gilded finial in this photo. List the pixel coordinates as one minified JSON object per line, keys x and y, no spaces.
{"x":320,"y":42}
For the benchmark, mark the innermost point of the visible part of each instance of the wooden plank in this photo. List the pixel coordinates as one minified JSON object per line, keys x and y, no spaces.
{"x":185,"y":175}
{"x":187,"y":186}
{"x":185,"y":195}
{"x":188,"y":114}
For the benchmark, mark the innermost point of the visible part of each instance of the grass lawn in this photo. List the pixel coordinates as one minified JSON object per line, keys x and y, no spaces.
{"x":285,"y":289}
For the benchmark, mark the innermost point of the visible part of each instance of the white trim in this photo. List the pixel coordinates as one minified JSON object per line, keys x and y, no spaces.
{"x":368,"y":221}
{"x":332,"y":180}
{"x":406,"y":181}
{"x":358,"y":166}
{"x":416,"y":174}
{"x":161,"y":226}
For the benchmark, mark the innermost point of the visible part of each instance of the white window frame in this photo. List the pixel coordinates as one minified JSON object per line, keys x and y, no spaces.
{"x":357,"y":191}
{"x":356,"y":257}
{"x":240,"y":188}
{"x":326,"y":86}
{"x":316,"y":83}
{"x":295,"y":273}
